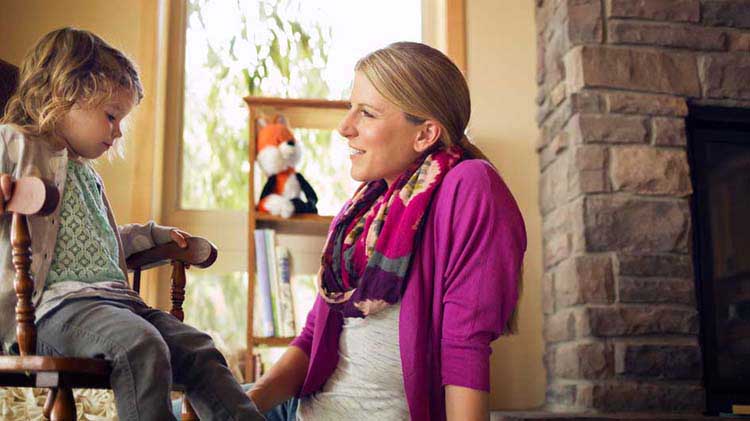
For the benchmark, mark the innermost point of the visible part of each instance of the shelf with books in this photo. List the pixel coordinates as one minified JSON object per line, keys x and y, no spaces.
{"x":299,"y":224}
{"x":284,"y":253}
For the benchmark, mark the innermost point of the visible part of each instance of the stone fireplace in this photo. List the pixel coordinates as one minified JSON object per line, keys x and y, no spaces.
{"x":616,"y":79}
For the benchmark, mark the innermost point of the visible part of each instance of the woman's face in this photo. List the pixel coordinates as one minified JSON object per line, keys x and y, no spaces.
{"x":382,"y":142}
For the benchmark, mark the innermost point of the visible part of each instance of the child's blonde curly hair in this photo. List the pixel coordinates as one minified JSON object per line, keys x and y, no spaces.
{"x":65,"y":67}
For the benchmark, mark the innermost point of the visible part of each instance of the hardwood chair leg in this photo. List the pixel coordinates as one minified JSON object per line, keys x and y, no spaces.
{"x":187,"y":413}
{"x":49,"y":402}
{"x":64,"y":408}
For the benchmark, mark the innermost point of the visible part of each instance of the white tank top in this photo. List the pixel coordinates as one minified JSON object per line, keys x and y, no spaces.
{"x":368,"y":383}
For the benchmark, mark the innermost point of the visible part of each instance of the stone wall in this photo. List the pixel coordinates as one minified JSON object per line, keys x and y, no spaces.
{"x":615,"y":77}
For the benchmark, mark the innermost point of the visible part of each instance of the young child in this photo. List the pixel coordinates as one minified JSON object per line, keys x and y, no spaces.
{"x":75,"y":90}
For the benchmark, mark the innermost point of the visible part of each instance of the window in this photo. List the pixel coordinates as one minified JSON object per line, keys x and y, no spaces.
{"x":286,"y":48}
{"x":292,"y":49}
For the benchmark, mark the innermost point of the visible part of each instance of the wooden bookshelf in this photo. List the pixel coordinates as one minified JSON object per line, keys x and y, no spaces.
{"x":302,"y":113}
{"x":305,"y":218}
{"x":305,"y":224}
{"x":275,"y":341}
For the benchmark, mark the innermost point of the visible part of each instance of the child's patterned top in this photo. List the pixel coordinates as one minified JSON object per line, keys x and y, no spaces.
{"x":86,"y":249}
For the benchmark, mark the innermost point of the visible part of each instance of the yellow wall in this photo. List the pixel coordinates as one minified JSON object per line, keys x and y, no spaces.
{"x":127,"y":25}
{"x":501,"y":63}
{"x":501,"y":71}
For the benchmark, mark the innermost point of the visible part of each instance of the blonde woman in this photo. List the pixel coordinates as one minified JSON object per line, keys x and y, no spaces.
{"x":419,"y":272}
{"x":75,"y":91}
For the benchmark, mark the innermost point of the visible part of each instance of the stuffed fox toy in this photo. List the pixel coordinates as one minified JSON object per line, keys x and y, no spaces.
{"x":278,"y":153}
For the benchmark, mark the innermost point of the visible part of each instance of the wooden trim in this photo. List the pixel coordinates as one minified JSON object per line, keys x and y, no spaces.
{"x":170,"y":110}
{"x":294,"y":102}
{"x":249,"y":360}
{"x":297,"y":224}
{"x":273,"y":341}
{"x":455,"y":32}
{"x":175,"y":104}
{"x":304,"y":218}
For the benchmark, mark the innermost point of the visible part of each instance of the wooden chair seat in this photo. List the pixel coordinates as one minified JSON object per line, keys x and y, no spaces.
{"x":55,"y":372}
{"x":32,"y":196}
{"x":76,"y":373}
{"x":90,"y":366}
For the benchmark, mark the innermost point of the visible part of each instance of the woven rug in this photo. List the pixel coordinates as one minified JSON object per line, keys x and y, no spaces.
{"x":26,"y":404}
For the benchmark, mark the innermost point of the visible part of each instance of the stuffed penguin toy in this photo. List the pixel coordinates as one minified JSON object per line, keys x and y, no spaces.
{"x":286,"y":191}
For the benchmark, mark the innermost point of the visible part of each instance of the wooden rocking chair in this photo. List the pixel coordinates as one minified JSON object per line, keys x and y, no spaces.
{"x":32,"y":196}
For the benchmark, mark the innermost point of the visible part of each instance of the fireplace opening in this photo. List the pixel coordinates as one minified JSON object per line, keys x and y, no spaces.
{"x":719,"y":152}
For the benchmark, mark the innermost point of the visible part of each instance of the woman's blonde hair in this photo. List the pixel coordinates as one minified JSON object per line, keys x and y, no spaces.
{"x":67,"y":66}
{"x":425,"y":84}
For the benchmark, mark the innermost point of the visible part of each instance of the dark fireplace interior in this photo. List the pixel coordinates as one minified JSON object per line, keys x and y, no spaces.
{"x":719,"y":149}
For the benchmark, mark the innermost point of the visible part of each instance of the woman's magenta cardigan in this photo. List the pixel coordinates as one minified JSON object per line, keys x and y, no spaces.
{"x":461,"y":291}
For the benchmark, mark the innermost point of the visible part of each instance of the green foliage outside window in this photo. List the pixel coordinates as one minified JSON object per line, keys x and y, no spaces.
{"x":218,"y":304}
{"x":235,"y":49}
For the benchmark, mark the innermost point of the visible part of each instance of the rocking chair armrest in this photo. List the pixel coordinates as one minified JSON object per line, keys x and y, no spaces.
{"x":199,"y":252}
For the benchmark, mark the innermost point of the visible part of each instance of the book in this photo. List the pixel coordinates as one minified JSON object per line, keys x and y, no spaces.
{"x":263,"y":286}
{"x":285,"y":301}
{"x":273,"y":277}
{"x":257,"y":366}
{"x":257,"y":310}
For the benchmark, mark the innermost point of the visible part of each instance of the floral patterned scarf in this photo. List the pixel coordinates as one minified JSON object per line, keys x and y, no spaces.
{"x":368,"y":252}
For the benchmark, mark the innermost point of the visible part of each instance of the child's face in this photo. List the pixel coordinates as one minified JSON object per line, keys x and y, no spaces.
{"x":90,"y":130}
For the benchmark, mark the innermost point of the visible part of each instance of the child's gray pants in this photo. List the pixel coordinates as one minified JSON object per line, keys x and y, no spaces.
{"x":148,"y":349}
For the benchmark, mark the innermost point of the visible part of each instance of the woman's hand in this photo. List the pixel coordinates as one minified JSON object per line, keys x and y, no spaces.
{"x":6,"y":189}
{"x":178,"y":236}
{"x":282,"y":381}
{"x":463,"y":403}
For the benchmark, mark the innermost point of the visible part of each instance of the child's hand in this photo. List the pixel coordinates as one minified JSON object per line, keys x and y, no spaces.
{"x":6,"y":189}
{"x":178,"y":236}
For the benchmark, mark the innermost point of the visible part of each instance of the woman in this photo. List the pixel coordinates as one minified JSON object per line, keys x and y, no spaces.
{"x":419,"y":273}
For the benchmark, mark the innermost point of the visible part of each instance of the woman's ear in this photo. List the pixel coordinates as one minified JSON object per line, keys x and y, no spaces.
{"x":428,"y":135}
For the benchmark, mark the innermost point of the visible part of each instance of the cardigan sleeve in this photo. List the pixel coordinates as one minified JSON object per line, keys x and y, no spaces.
{"x":481,"y":241}
{"x":139,"y":237}
{"x":305,"y":339}
{"x":11,"y":146}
